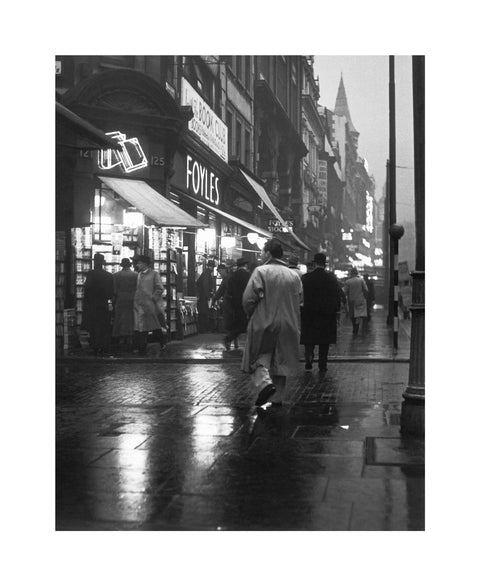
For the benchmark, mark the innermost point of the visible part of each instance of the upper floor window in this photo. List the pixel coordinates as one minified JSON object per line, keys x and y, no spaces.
{"x":282,"y":80}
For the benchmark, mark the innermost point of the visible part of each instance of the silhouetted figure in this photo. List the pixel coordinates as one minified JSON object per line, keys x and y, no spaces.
{"x":124,"y":287}
{"x":205,"y":286}
{"x":96,"y":317}
{"x":321,"y":301}
{"x":356,"y":293}
{"x":271,"y":301}
{"x":237,"y":322}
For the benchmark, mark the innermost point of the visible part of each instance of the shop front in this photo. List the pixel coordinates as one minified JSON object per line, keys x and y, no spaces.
{"x":115,"y":201}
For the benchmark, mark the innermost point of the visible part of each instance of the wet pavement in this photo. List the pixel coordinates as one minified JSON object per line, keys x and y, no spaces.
{"x":178,"y":445}
{"x":375,"y":342}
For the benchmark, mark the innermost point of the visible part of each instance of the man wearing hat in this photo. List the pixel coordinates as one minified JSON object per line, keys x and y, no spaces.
{"x":237,"y":324}
{"x":124,"y":287}
{"x":96,"y":314}
{"x":205,"y":286}
{"x":321,"y":301}
{"x":147,"y":304}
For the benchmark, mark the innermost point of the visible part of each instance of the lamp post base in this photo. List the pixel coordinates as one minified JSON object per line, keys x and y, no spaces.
{"x":412,"y":417}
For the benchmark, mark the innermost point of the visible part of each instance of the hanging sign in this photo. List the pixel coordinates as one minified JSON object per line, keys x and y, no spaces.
{"x":129,"y":156}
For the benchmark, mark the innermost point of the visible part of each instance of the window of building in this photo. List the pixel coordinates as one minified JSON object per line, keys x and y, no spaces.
{"x":248,"y":73}
{"x":230,"y":132}
{"x":239,"y":67}
{"x":264,"y":67}
{"x":247,"y":162}
{"x":282,"y":80}
{"x":169,"y":68}
{"x":238,"y":139}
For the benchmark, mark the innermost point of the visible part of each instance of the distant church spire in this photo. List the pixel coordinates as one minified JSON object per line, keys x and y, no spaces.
{"x":341,"y":104}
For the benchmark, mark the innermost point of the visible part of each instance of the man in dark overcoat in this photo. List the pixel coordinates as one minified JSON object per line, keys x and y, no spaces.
{"x":321,"y":301}
{"x":237,"y":324}
{"x":96,"y":313}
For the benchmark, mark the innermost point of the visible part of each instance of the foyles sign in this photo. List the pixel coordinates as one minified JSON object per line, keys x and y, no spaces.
{"x":202,"y":182}
{"x":205,"y":123}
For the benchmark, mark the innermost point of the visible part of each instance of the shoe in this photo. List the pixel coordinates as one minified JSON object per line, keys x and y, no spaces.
{"x":308,"y":366}
{"x":235,"y":344}
{"x":322,"y":369}
{"x":276,"y":404}
{"x":227,"y":344}
{"x":265,"y":394}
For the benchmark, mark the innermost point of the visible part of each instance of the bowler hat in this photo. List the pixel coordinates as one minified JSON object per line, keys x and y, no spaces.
{"x":242,"y":262}
{"x":210,"y":263}
{"x":126,"y":262}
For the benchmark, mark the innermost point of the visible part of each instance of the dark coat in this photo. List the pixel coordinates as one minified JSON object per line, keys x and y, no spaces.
{"x":321,"y":301}
{"x":237,"y":319}
{"x":96,"y":314}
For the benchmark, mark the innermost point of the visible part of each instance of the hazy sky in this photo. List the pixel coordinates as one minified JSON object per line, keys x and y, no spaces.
{"x":366,"y":80}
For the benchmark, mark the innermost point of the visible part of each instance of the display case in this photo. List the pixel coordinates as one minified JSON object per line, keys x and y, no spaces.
{"x":59,"y":290}
{"x":81,"y":264}
{"x":188,"y":316}
{"x":164,"y":242}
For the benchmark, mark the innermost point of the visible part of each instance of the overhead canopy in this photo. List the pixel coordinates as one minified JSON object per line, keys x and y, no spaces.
{"x":268,"y":202}
{"x":85,"y":128}
{"x":244,"y":223}
{"x":148,"y":201}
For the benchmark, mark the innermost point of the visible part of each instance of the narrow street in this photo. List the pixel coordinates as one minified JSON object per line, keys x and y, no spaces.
{"x":180,"y":446}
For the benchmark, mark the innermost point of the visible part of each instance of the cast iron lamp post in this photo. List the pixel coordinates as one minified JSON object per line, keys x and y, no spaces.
{"x":413,"y":406}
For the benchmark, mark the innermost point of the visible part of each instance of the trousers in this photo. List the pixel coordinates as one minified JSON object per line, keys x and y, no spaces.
{"x":261,"y":377}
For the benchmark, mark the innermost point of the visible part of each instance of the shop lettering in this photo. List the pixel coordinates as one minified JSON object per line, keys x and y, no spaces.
{"x":202,"y":182}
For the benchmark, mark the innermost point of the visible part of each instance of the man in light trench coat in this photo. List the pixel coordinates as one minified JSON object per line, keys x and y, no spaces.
{"x":271,"y":301}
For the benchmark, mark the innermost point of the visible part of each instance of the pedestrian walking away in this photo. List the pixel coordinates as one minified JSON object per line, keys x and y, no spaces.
{"x":96,"y":317}
{"x":205,"y":286}
{"x":321,"y":302}
{"x":356,"y":293}
{"x":218,"y":299}
{"x":237,"y":322}
{"x":371,"y":295}
{"x":293,"y":264}
{"x":271,"y":301}
{"x":147,"y":305}
{"x":124,"y":287}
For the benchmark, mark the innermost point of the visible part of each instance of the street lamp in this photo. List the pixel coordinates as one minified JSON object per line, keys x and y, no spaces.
{"x":396,"y":232}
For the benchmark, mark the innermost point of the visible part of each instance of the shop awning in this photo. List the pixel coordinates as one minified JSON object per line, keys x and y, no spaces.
{"x":228,"y":216}
{"x":260,"y":190}
{"x":85,"y":128}
{"x":151,"y":203}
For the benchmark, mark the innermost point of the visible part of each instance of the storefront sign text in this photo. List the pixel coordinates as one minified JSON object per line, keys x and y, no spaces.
{"x":202,"y":182}
{"x":277,"y":226}
{"x":205,"y":123}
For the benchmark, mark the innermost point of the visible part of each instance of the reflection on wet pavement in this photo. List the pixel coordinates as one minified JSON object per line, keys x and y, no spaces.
{"x":181,"y":447}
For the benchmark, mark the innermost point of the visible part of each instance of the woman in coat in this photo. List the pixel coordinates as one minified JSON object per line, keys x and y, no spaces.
{"x":356,"y":293}
{"x":147,"y":304}
{"x":271,"y":301}
{"x":124,"y":287}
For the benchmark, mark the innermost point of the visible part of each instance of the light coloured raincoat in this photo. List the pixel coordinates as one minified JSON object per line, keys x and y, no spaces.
{"x":356,"y":292}
{"x":272,"y":302}
{"x":147,"y":301}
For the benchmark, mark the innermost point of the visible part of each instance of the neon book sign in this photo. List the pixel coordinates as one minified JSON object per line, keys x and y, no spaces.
{"x":129,"y":155}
